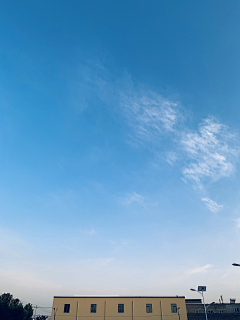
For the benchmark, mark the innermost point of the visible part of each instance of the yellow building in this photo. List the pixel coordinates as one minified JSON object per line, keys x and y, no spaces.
{"x":119,"y":308}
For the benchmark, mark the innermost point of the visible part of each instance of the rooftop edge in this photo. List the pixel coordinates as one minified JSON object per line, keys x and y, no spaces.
{"x":116,"y":296}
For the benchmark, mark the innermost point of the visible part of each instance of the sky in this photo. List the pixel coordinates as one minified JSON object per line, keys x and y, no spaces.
{"x":120,"y":145}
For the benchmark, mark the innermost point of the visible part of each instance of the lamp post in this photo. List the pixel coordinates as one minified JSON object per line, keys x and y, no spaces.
{"x":210,"y":305}
{"x":200,"y":290}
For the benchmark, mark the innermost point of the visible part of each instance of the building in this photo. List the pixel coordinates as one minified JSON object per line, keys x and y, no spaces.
{"x":220,"y":311}
{"x":119,"y":308}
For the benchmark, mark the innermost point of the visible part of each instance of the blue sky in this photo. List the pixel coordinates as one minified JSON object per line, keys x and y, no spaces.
{"x":119,"y":139}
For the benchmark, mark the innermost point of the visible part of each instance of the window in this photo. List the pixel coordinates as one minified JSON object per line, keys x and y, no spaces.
{"x":174,"y":308}
{"x":120,"y":308}
{"x":93,"y":308}
{"x":193,"y":300}
{"x":66,"y":308}
{"x":221,"y":311}
{"x":236,"y":310}
{"x":210,"y":311}
{"x":197,"y":311}
{"x":149,"y":308}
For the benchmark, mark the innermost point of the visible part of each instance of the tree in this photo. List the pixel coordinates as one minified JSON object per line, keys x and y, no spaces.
{"x":28,"y":312}
{"x":12,"y":309}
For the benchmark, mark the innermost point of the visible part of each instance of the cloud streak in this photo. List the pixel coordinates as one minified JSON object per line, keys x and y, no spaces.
{"x":133,"y":198}
{"x":150,"y":114}
{"x":211,"y":205}
{"x":90,"y":232}
{"x":203,"y":269}
{"x":211,"y":151}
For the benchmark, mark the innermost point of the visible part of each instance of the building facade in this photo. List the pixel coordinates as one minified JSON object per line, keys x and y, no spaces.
{"x":119,"y":308}
{"x":220,"y":311}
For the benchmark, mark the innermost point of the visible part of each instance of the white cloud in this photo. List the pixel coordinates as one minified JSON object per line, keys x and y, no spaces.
{"x":90,"y":232}
{"x":171,"y":157}
{"x":211,"y":152}
{"x":213,"y":206}
{"x":238,"y":223}
{"x":150,"y":114}
{"x":202,"y":269}
{"x":133,"y":197}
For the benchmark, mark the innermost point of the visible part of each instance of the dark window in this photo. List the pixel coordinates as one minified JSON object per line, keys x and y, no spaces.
{"x":221,"y":311}
{"x":210,"y":311}
{"x":149,"y":308}
{"x":236,"y":310}
{"x":93,"y":308}
{"x":66,"y":308}
{"x":193,"y":300}
{"x":120,"y":308}
{"x":174,"y":308}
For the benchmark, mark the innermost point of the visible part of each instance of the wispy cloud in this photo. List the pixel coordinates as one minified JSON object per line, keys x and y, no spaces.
{"x":132,"y":198}
{"x":191,"y":273}
{"x":171,"y":157}
{"x":202,"y":269}
{"x":90,"y":232}
{"x":150,"y":114}
{"x":204,"y":155}
{"x":238,"y":223}
{"x":213,"y":206}
{"x":211,"y":152}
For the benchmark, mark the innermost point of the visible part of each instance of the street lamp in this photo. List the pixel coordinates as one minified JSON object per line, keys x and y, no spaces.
{"x":210,"y":305}
{"x":200,"y":290}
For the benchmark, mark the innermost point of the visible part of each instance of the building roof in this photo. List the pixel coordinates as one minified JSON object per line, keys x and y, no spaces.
{"x":116,"y":296}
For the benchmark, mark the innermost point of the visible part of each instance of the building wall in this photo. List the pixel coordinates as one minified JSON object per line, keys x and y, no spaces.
{"x":214,"y":316}
{"x":218,"y":311}
{"x":215,"y":308}
{"x":107,"y":308}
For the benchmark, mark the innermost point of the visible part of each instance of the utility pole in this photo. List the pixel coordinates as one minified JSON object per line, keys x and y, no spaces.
{"x":35,"y":312}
